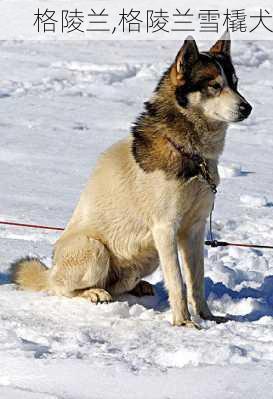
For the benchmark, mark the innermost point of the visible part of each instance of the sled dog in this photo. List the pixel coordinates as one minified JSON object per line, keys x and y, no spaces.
{"x":150,"y":194}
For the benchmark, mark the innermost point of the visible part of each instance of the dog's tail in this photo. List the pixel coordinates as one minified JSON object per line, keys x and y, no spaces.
{"x":30,"y":274}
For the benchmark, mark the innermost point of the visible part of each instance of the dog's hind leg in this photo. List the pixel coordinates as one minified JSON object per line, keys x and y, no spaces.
{"x":81,"y":267}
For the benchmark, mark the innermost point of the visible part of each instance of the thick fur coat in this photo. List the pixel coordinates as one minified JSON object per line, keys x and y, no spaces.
{"x":146,"y":201}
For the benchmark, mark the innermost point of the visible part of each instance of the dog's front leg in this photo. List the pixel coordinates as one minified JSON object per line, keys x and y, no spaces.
{"x":191,"y":247}
{"x":166,"y":244}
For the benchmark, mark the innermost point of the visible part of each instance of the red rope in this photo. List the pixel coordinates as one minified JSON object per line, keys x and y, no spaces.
{"x":33,"y":226}
{"x":212,"y":243}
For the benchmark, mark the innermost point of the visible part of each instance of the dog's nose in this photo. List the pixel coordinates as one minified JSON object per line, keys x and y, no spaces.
{"x":245,"y":109}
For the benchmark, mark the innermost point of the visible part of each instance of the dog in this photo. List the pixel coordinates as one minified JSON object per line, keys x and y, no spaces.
{"x":150,"y":194}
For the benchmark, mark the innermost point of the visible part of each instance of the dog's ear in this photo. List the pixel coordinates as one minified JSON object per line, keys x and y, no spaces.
{"x":186,"y":57}
{"x":222,"y":46}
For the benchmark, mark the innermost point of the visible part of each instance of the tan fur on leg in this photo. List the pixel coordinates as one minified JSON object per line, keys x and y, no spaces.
{"x":191,"y":244}
{"x":165,"y":240}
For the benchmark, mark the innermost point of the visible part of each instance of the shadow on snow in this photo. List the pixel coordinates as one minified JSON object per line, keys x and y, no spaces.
{"x":263,"y":295}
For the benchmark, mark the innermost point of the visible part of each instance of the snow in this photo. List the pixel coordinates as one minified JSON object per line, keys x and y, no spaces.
{"x":230,"y":170}
{"x":61,"y":105}
{"x":254,"y":201}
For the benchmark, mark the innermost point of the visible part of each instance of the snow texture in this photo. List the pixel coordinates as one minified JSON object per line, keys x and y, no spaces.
{"x":61,"y":105}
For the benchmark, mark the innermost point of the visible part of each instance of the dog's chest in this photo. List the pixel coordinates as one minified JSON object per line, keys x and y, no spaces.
{"x":186,"y":200}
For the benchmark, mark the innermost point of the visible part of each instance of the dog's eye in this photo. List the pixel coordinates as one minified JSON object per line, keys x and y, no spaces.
{"x":215,"y":86}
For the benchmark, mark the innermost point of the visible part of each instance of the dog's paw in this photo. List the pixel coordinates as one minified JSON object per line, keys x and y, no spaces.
{"x":96,"y":295}
{"x":181,"y":322}
{"x":143,"y":288}
{"x":188,"y":324}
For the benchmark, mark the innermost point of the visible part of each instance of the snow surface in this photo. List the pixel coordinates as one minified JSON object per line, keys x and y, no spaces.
{"x":61,"y":105}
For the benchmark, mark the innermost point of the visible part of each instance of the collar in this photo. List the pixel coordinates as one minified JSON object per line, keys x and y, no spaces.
{"x":202,"y":164}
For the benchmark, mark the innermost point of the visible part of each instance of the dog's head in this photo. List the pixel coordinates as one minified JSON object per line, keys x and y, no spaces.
{"x":207,"y":81}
